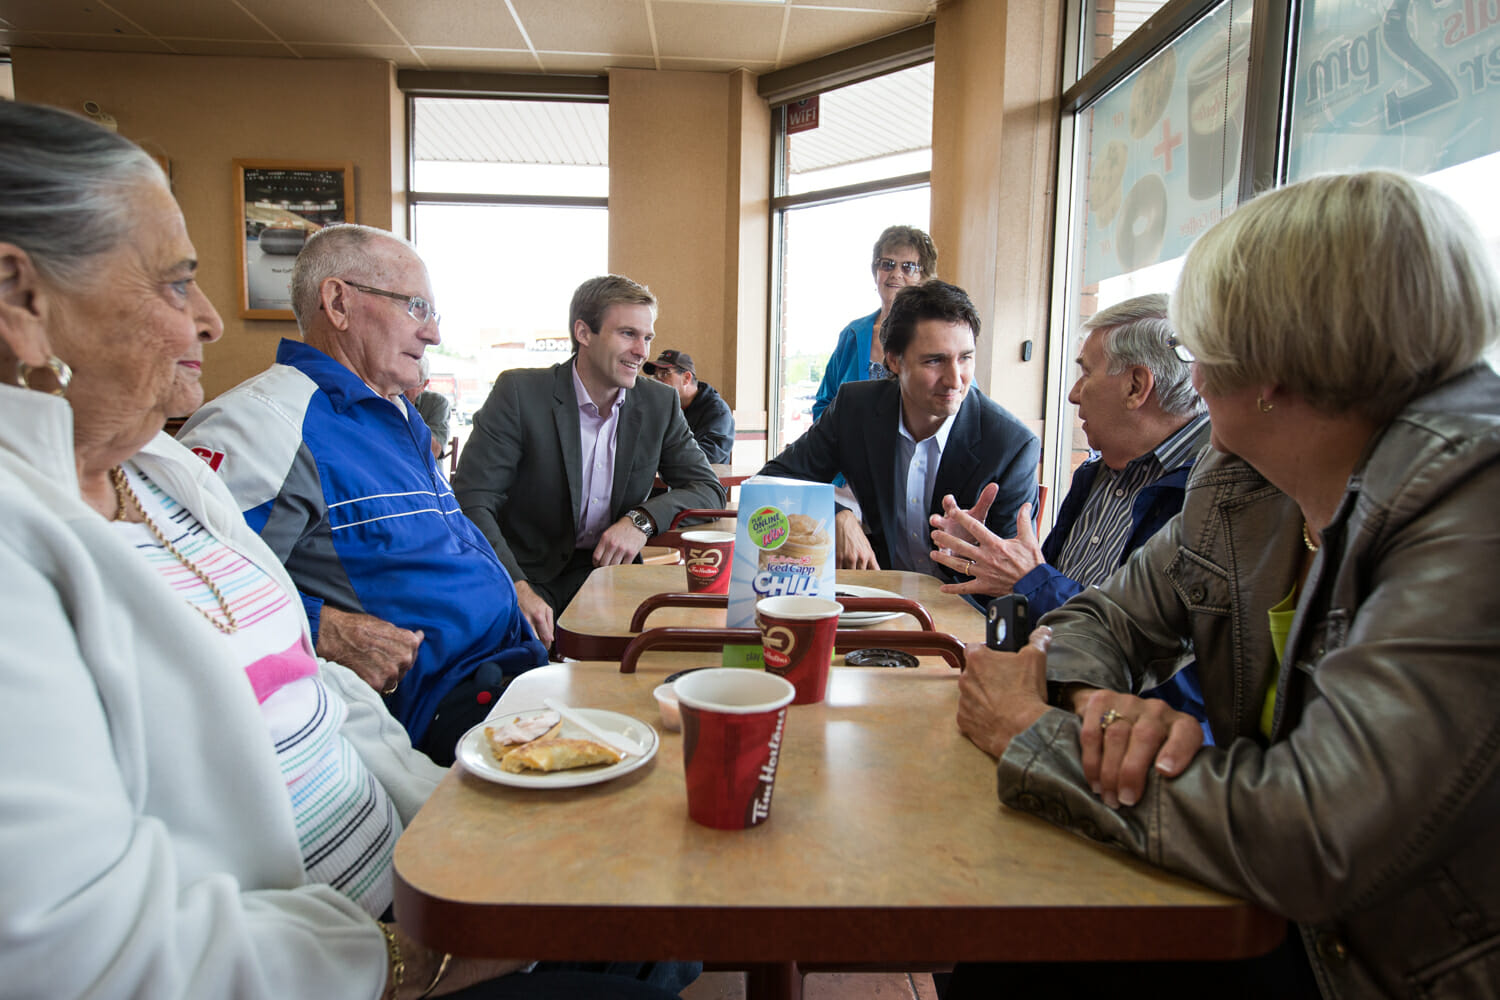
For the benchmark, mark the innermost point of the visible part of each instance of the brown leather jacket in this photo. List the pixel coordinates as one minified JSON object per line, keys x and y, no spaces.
{"x":1370,"y":818}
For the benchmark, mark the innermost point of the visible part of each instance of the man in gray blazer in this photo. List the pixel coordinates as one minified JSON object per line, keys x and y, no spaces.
{"x":559,"y":467}
{"x":906,"y":442}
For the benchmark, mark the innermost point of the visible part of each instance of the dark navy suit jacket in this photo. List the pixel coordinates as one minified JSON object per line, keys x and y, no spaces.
{"x":857,"y":435}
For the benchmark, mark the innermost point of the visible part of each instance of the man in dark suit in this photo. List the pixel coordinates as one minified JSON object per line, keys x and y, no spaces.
{"x":906,"y":442}
{"x":558,"y":470}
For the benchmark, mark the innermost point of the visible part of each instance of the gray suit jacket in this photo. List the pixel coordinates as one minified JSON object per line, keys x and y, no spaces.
{"x":520,"y":475}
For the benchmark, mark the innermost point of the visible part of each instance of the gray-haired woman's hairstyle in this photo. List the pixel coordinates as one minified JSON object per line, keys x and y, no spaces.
{"x":62,"y":186}
{"x":337,"y":251}
{"x":1359,"y":292}
{"x":895,"y":237}
{"x":1135,"y":332}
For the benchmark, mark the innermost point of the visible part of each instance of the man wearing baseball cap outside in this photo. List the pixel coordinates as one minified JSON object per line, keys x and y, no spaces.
{"x":708,"y":416}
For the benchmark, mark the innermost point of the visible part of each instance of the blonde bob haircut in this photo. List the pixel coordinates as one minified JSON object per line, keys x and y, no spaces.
{"x":1358,"y":292}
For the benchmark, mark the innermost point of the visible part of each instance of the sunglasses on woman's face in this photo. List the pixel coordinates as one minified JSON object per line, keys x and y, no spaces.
{"x":910,"y":268}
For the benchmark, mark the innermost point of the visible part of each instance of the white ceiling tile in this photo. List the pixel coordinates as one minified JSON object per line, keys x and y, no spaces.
{"x":737,"y":32}
{"x":323,"y":21}
{"x":570,"y":36}
{"x":51,"y":15}
{"x":612,"y":26}
{"x":813,"y":33}
{"x":473,"y":24}
{"x":201,"y":19}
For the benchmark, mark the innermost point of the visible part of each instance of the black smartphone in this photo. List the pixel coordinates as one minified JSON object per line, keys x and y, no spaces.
{"x":1007,"y":623}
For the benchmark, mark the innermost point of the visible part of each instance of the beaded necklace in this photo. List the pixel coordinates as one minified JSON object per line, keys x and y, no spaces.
{"x":123,"y":495}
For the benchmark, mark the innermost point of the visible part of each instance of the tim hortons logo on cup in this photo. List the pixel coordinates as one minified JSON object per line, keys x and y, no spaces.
{"x":760,"y":805}
{"x":704,"y":562}
{"x":779,"y":642}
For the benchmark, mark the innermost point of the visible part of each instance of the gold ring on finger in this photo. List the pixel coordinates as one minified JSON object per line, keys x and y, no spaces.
{"x":392,"y":689}
{"x":1109,"y":718}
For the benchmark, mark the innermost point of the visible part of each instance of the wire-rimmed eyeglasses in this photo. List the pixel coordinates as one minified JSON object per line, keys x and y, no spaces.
{"x":910,"y":268}
{"x":1183,"y":354}
{"x":417,"y":307}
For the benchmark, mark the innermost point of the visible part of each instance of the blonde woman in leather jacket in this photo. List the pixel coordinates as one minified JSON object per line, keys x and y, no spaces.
{"x":1333,"y":572}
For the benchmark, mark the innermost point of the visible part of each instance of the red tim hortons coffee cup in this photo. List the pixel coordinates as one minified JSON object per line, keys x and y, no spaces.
{"x":708,"y":555}
{"x":796,"y":636}
{"x":732,"y":725}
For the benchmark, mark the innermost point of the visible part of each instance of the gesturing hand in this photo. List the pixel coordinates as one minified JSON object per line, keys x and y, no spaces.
{"x":995,"y":563}
{"x":947,"y":521}
{"x":379,"y":652}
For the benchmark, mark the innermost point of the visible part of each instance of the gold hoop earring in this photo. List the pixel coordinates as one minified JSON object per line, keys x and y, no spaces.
{"x":56,"y":365}
{"x":1265,"y":407}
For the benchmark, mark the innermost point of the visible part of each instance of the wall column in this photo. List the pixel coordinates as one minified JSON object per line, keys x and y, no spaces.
{"x":681,"y":143}
{"x":996,"y":85}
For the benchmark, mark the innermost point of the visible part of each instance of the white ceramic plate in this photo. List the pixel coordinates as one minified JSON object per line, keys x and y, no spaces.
{"x":859,"y":619}
{"x":474,"y":752}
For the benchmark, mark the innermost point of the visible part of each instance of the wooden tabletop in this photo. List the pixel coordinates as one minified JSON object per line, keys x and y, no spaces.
{"x":732,"y":475}
{"x":729,"y":475}
{"x":596,"y":625}
{"x":885,"y":843}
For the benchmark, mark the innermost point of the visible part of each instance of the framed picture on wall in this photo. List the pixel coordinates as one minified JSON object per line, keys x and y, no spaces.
{"x":278,"y":204}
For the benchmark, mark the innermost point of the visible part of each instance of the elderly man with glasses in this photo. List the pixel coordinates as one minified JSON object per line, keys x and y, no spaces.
{"x":334,"y":467}
{"x":1145,"y":425}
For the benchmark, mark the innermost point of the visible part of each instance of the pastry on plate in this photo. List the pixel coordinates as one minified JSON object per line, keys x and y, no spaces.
{"x":509,"y":734}
{"x":558,"y":754}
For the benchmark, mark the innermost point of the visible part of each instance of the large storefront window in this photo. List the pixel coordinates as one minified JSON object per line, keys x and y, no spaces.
{"x":1160,"y":146}
{"x":863,"y":166}
{"x":509,"y":209}
{"x":1407,"y":86}
{"x":1161,"y":163}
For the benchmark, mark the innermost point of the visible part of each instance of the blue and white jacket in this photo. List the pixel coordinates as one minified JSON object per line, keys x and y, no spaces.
{"x":341,"y":484}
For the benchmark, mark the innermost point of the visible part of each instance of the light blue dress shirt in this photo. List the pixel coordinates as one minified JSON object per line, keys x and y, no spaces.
{"x":916,"y":474}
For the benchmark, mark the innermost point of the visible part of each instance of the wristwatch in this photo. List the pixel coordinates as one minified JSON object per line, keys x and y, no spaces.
{"x":642,"y":520}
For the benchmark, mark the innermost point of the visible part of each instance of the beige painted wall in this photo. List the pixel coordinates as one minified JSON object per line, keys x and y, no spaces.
{"x":202,"y":113}
{"x":994,"y":179}
{"x":748,"y":269}
{"x":681,"y":144}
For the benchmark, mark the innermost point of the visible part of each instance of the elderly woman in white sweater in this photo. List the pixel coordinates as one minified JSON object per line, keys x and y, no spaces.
{"x":191,"y":804}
